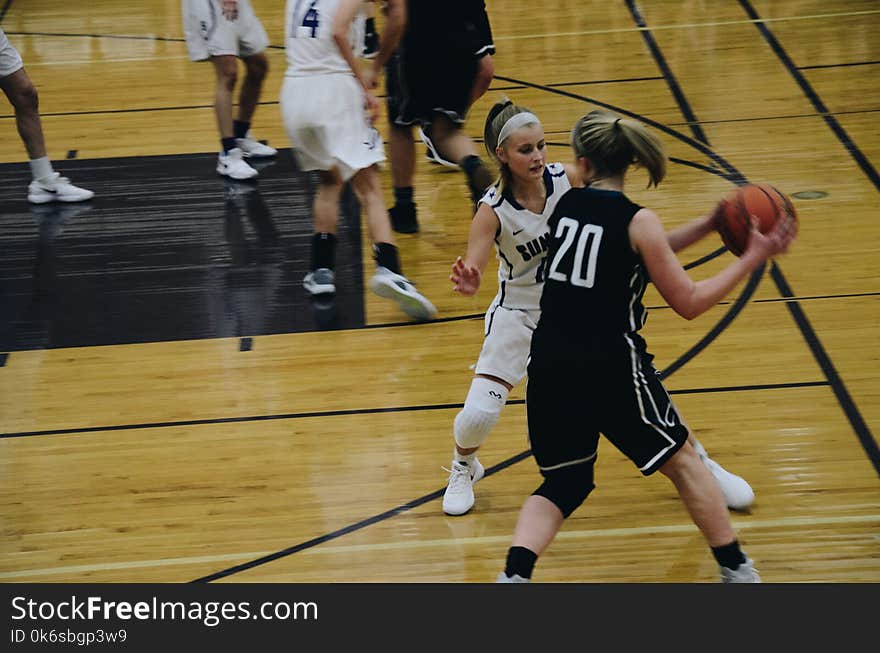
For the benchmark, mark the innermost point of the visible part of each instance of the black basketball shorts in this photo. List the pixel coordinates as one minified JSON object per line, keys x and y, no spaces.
{"x":570,"y":402}
{"x":435,"y":66}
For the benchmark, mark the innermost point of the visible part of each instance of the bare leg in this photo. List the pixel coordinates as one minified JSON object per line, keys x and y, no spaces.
{"x":367,"y":185}
{"x":483,"y":79}
{"x":539,"y":521}
{"x":24,"y":99}
{"x":402,"y":153}
{"x":325,"y":207}
{"x":701,"y":495}
{"x":257,"y":66}
{"x":226,"y":69}
{"x":452,"y":143}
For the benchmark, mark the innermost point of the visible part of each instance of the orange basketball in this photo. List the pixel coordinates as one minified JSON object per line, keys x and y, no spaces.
{"x":732,"y":215}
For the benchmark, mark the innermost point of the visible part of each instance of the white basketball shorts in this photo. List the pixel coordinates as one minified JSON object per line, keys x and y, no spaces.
{"x":209,"y":34}
{"x":10,"y":60}
{"x":328,"y":128}
{"x":505,"y":352}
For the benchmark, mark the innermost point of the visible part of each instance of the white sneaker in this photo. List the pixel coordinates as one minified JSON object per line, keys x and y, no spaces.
{"x":251,"y":147}
{"x":738,"y":494}
{"x":57,"y":189}
{"x":232,"y":165}
{"x":459,"y":495}
{"x":745,"y":573}
{"x":320,"y":281}
{"x":516,"y":578}
{"x":432,"y":154}
{"x":389,"y":285}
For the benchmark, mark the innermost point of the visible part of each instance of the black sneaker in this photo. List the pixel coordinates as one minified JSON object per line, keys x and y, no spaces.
{"x":371,"y":45}
{"x":403,"y":218}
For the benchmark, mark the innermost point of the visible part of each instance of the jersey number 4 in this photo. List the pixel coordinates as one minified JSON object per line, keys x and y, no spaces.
{"x":590,"y":236}
{"x":309,"y":19}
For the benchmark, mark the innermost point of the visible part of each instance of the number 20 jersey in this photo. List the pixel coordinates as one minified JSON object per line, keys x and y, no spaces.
{"x":308,"y":33}
{"x":521,"y":241}
{"x":594,"y":281}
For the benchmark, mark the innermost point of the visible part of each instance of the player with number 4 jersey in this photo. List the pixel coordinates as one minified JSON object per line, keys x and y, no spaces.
{"x":328,"y":108}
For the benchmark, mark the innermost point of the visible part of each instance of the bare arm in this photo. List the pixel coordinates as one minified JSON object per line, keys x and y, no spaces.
{"x":467,"y":273}
{"x":341,"y":26}
{"x":395,"y":23}
{"x":687,"y":234}
{"x":687,"y":297}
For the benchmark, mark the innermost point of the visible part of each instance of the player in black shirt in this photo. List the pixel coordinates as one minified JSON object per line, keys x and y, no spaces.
{"x":590,"y":371}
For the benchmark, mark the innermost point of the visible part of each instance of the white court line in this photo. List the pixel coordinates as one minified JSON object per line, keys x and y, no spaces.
{"x":654,"y":28}
{"x":450,"y":541}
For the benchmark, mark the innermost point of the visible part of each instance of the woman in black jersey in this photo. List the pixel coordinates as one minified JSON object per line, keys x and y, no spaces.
{"x":590,"y":371}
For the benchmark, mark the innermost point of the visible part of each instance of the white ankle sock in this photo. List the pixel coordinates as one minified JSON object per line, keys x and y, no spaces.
{"x":468,"y":459}
{"x":41,"y":169}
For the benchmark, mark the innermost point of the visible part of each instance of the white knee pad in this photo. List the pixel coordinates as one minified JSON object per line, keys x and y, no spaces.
{"x":481,"y":411}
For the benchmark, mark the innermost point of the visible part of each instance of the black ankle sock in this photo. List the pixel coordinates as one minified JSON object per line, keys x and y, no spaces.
{"x":386,"y":256}
{"x":729,"y":555}
{"x":323,"y":251}
{"x":240,"y":129}
{"x":520,"y":561}
{"x":403,"y":195}
{"x":478,"y":175}
{"x":370,"y":27}
{"x":227,"y":144}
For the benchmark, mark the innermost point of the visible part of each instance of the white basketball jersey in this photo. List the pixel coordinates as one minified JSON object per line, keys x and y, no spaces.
{"x":521,"y":243}
{"x":308,"y":33}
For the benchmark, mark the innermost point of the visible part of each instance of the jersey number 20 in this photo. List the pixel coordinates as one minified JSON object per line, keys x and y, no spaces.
{"x":590,"y":234}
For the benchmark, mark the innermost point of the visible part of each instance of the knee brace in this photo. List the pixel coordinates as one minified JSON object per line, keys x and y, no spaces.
{"x":568,"y":487}
{"x":481,"y":411}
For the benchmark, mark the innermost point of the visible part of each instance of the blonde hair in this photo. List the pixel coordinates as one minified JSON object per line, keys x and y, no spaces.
{"x":612,"y":144}
{"x":499,"y":114}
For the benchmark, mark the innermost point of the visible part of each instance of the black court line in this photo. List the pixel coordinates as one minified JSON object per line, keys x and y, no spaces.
{"x":621,"y":80}
{"x":839,"y":65}
{"x":705,"y":259}
{"x":778,"y":300}
{"x":671,"y":81}
{"x":436,"y":494}
{"x":98,"y":36}
{"x":722,"y":324}
{"x":369,"y":521}
{"x":811,"y":94}
{"x":843,"y":397}
{"x":792,"y":116}
{"x":352,"y":411}
{"x":5,"y":9}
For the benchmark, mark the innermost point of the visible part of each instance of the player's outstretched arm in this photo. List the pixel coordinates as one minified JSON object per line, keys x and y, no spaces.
{"x":467,"y":273}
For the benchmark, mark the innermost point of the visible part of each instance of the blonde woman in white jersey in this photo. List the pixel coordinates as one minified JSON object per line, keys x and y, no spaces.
{"x":328,"y":108}
{"x":512,"y":218}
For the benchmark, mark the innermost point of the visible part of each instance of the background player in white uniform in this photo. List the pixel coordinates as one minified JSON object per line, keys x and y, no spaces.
{"x":47,"y":185}
{"x":513,"y":215}
{"x":222,"y":31}
{"x":328,"y":110}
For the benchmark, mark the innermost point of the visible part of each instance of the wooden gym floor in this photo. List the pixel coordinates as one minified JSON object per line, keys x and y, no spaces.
{"x":172,"y":408}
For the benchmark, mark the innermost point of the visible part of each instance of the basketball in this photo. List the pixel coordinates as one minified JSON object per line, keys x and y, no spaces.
{"x":732,"y":215}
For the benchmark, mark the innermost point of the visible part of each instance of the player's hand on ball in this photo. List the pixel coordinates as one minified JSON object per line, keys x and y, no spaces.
{"x":465,"y":278}
{"x":776,"y":241}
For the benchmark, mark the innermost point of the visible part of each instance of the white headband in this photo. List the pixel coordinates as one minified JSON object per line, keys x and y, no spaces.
{"x":515,"y":122}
